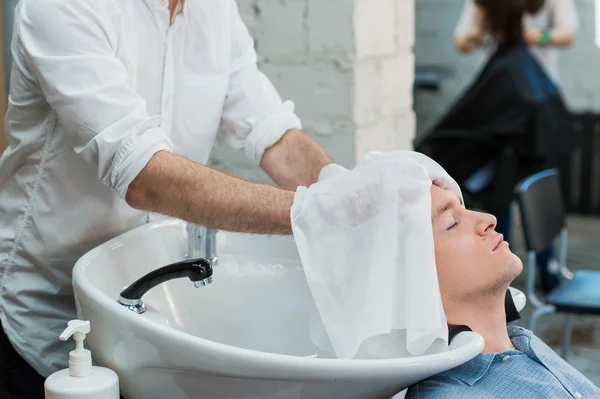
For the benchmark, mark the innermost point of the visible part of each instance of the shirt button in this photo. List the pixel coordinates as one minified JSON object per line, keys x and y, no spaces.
{"x":504,"y":358}
{"x":578,"y":395}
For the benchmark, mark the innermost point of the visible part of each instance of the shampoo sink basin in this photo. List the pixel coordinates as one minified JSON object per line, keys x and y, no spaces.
{"x":246,"y":335}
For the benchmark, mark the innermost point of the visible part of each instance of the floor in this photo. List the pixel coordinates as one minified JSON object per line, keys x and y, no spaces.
{"x":583,"y":253}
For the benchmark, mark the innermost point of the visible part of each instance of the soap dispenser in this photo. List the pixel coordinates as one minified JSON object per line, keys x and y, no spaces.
{"x":81,"y":380}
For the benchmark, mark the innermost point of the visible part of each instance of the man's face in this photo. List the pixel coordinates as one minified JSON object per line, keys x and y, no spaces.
{"x":472,"y":260}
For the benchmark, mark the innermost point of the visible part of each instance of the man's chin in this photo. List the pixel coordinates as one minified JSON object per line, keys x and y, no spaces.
{"x":515,"y":267}
{"x":511,"y":268}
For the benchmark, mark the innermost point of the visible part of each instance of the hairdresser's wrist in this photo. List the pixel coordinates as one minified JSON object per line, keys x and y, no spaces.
{"x":535,"y":37}
{"x":545,"y":38}
{"x":331,"y":170}
{"x":532,"y":36}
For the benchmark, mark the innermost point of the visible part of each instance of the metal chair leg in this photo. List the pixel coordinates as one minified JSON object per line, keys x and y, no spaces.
{"x":537,"y":313}
{"x":567,"y":336}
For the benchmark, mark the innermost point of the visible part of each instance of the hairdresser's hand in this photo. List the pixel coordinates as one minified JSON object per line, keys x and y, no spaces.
{"x":476,"y":38}
{"x":470,"y":41}
{"x":532,"y":36}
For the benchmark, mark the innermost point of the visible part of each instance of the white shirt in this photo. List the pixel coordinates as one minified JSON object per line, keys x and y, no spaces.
{"x":559,"y":14}
{"x":97,"y":88}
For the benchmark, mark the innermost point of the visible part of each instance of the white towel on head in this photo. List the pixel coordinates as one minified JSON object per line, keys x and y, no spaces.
{"x":366,"y":243}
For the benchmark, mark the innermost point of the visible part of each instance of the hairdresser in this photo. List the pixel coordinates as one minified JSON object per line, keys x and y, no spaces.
{"x":114,"y":109}
{"x":546,"y":27}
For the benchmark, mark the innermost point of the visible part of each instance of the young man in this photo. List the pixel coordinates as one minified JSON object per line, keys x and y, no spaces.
{"x":475,"y":267}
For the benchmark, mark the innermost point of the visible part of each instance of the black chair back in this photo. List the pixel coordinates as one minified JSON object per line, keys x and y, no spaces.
{"x":542,"y":210}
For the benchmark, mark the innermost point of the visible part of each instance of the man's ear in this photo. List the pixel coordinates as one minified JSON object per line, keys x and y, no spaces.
{"x":438,"y":182}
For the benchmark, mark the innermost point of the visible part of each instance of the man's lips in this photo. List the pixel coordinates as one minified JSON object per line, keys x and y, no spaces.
{"x":499,"y":241}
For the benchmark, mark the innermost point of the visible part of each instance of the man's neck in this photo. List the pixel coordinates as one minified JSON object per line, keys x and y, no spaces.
{"x":487,"y":318}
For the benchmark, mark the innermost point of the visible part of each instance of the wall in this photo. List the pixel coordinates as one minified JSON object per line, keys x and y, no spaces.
{"x":435,"y":22}
{"x":384,"y":75}
{"x":348,"y":66}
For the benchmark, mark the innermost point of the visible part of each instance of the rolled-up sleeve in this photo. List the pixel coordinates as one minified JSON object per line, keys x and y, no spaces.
{"x":564,"y":15}
{"x":254,"y":117}
{"x":69,"y":50}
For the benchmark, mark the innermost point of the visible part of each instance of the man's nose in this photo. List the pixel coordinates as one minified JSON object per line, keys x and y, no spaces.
{"x":486,"y":223}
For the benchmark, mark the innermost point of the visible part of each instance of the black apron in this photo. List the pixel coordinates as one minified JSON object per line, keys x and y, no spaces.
{"x":509,"y":123}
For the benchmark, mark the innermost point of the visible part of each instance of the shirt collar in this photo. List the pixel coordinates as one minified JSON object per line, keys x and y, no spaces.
{"x":473,"y":370}
{"x":162,"y":4}
{"x":521,"y":339}
{"x":515,"y":332}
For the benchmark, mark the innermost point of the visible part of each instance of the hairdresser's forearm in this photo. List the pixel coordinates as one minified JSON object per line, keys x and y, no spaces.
{"x":561,"y":39}
{"x":177,"y":187}
{"x":295,"y":160}
{"x":558,"y":38}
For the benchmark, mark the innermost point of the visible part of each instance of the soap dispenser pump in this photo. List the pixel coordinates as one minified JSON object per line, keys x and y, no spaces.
{"x":81,"y":380}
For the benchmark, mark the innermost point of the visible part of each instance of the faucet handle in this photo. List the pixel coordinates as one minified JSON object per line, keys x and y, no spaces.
{"x":198,"y":270}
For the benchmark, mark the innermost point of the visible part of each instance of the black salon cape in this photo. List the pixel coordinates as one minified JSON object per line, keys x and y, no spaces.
{"x":511,"y":119}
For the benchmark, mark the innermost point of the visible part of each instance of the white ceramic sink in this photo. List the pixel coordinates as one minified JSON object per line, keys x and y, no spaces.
{"x":244,"y":336}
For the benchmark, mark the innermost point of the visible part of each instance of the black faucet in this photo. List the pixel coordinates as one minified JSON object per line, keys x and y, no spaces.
{"x":198,"y":270}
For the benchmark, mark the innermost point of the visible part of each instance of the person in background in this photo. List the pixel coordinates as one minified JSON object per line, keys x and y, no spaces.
{"x":547,"y":26}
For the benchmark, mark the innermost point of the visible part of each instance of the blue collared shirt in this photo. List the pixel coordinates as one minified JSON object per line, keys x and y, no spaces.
{"x":532,"y":370}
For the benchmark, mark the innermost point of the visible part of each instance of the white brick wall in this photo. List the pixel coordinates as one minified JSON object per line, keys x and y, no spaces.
{"x":375,"y":27}
{"x":347,"y":64}
{"x":383,"y":75}
{"x":435,"y":21}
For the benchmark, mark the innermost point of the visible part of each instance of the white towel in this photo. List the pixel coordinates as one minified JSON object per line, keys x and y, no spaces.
{"x":366,"y":244}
